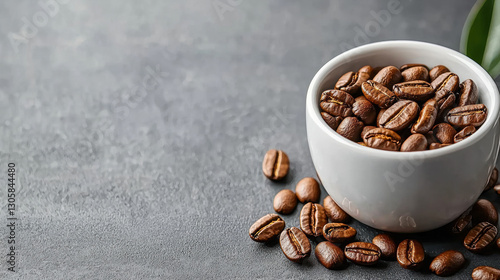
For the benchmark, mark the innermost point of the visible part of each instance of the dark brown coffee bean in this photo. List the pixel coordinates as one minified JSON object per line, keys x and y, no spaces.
{"x":330,"y":255}
{"x":410,"y":254}
{"x":415,"y":73}
{"x":414,"y":90}
{"x":447,"y":263}
{"x":362,"y":253}
{"x":366,"y":129}
{"x":337,"y":103}
{"x":435,"y":146}
{"x":266,"y":228}
{"x":411,"y":65}
{"x":444,"y":133}
{"x":351,"y":128}
{"x":307,"y":190}
{"x":285,"y":202}
{"x":360,"y":98}
{"x":334,"y":212}
{"x":498,"y":243}
{"x":437,"y":71}
{"x":430,"y":138}
{"x":365,"y":111}
{"x":464,"y":133}
{"x":484,"y":211}
{"x":382,"y":138}
{"x":386,"y":244}
{"x":462,"y":223}
{"x":468,"y":93}
{"x":388,"y":76}
{"x":427,"y":117}
{"x":351,"y":82}
{"x":331,"y":121}
{"x":295,"y":245}
{"x":485,"y":273}
{"x":338,"y":232}
{"x":275,"y":165}
{"x":445,"y":100}
{"x":313,"y":219}
{"x":492,"y":181}
{"x":447,"y":81}
{"x":480,"y":237}
{"x":367,"y":69}
{"x":380,"y":113}
{"x":378,"y":94}
{"x":400,"y":115}
{"x":467,"y":115}
{"x":416,"y":142}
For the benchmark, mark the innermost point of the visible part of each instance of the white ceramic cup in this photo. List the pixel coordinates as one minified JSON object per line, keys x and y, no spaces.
{"x":403,"y":191}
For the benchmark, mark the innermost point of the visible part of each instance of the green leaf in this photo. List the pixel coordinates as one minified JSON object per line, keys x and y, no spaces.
{"x":481,"y":35}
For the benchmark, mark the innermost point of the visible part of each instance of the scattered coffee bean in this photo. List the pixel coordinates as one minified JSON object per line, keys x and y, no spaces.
{"x":447,"y":263}
{"x":415,"y":73}
{"x":447,"y":81}
{"x":437,"y":71}
{"x":485,"y":273}
{"x":334,"y":212}
{"x":275,"y":165}
{"x":388,"y":76}
{"x":464,"y":133}
{"x":378,"y":94}
{"x":467,"y":115}
{"x":295,"y":245}
{"x":435,"y":146}
{"x":313,"y":219}
{"x":480,"y":237}
{"x":331,"y":121}
{"x":468,"y":93}
{"x":427,"y":117}
{"x":307,"y":190}
{"x":338,"y":232}
{"x":484,"y":211}
{"x":285,"y":202}
{"x":386,"y":244}
{"x":330,"y":255}
{"x":410,"y":254}
{"x":415,"y":142}
{"x":414,"y":90}
{"x":382,"y":138}
{"x":364,"y":110}
{"x":493,"y":179}
{"x":462,"y":223}
{"x":266,"y":228}
{"x":337,"y":103}
{"x":351,"y":128}
{"x":351,"y":82}
{"x":399,"y":116}
{"x":362,"y":253}
{"x":444,"y":133}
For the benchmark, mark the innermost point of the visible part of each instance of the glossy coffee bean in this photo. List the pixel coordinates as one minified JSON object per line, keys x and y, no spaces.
{"x":435,"y":146}
{"x":285,"y":202}
{"x":437,"y":71}
{"x":414,"y":90}
{"x":427,"y":117}
{"x":467,"y":115}
{"x":388,"y":76}
{"x":295,"y":245}
{"x":378,"y":94}
{"x":338,"y":232}
{"x":485,"y":273}
{"x":379,"y":116}
{"x":275,"y":165}
{"x":386,"y":244}
{"x":447,"y":263}
{"x":468,"y":93}
{"x":480,"y":237}
{"x":330,"y":255}
{"x":362,"y":253}
{"x":445,"y":101}
{"x":430,"y":138}
{"x":367,"y":69}
{"x":334,"y":212}
{"x":332,"y":121}
{"x":399,"y":116}
{"x":444,"y":133}
{"x":383,"y":139}
{"x":462,"y":223}
{"x":464,"y":133}
{"x":484,"y":211}
{"x":366,"y":129}
{"x":266,"y":228}
{"x":492,"y":181}
{"x":351,"y":128}
{"x":447,"y":81}
{"x":411,"y":65}
{"x":416,"y":142}
{"x":313,"y":219}
{"x":337,"y":103}
{"x":365,"y":111}
{"x":415,"y":73}
{"x":307,"y":190}
{"x":351,"y":82}
{"x":410,"y":254}
{"x":497,"y":189}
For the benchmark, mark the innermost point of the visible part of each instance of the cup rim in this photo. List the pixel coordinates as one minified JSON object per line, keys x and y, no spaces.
{"x":313,"y":110}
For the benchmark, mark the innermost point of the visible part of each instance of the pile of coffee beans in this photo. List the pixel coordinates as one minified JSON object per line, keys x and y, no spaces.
{"x":407,"y":109}
{"x":326,"y":225}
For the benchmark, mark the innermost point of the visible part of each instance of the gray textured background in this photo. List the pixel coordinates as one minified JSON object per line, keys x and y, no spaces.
{"x":138,"y":130}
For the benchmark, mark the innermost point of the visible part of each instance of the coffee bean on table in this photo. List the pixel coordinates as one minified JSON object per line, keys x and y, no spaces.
{"x":382,"y":138}
{"x":351,"y":128}
{"x":364,"y":110}
{"x":331,"y":121}
{"x":386,"y":244}
{"x":484,"y":211}
{"x":462,"y":223}
{"x":437,"y":71}
{"x":467,"y":115}
{"x":464,"y":133}
{"x":415,"y":73}
{"x":414,"y":90}
{"x":447,"y":263}
{"x":468,"y":93}
{"x":337,"y":103}
{"x":330,"y":255}
{"x":447,"y":81}
{"x":444,"y":133}
{"x":307,"y":190}
{"x":399,"y":116}
{"x":378,"y":94}
{"x":415,"y":142}
{"x":362,"y":253}
{"x":266,"y":228}
{"x":351,"y":82}
{"x":493,"y":179}
{"x":427,"y":117}
{"x":338,"y":232}
{"x":285,"y":202}
{"x":388,"y":76}
{"x":275,"y":165}
{"x":480,"y":237}
{"x":295,"y":245}
{"x":410,"y":254}
{"x":313,"y":219}
{"x":334,"y":212}
{"x":485,"y":273}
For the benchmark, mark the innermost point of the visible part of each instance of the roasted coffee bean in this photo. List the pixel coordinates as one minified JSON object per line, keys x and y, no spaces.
{"x":366,"y":129}
{"x":480,"y":237}
{"x":329,"y":255}
{"x":380,"y":113}
{"x":485,"y":273}
{"x":313,"y":219}
{"x":437,"y":71}
{"x":484,"y":211}
{"x":493,"y":180}
{"x":362,"y":144}
{"x":351,"y":128}
{"x":334,"y":212}
{"x":360,"y":98}
{"x":365,"y":111}
{"x":444,"y":133}
{"x":462,"y":223}
{"x":435,"y":146}
{"x":410,"y":254}
{"x":275,"y":165}
{"x":399,"y":116}
{"x":367,"y":69}
{"x":414,"y":90}
{"x":498,"y":242}
{"x":338,"y":232}
{"x":416,"y":142}
{"x":351,"y":82}
{"x":468,"y":93}
{"x":337,"y":103}
{"x":386,"y":244}
{"x":447,"y":263}
{"x":266,"y":228}
{"x":362,"y":253}
{"x":464,"y":133}
{"x":427,"y":117}
{"x":295,"y":245}
{"x":378,"y":94}
{"x":467,"y":115}
{"x":285,"y":202}
{"x":388,"y":76}
{"x":410,"y":65}
{"x":447,"y":81}
{"x":331,"y":121}
{"x":497,"y":189}
{"x":307,"y":190}
{"x":430,"y":138}
{"x":415,"y":73}
{"x":445,"y":100}
{"x":383,"y":138}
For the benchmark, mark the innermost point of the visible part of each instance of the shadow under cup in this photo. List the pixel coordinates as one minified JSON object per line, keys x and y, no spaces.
{"x":398,"y":191}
